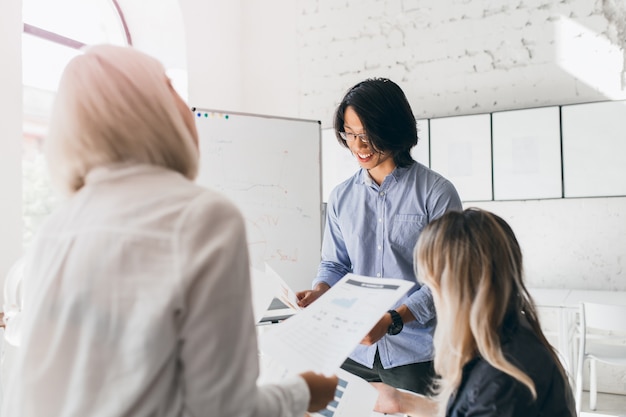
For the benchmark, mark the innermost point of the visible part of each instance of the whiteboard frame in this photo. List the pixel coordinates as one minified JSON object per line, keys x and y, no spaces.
{"x":297,"y":269}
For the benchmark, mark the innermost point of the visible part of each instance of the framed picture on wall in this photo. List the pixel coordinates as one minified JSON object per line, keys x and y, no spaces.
{"x":527,"y":154}
{"x":594,"y":149}
{"x":460,"y":150}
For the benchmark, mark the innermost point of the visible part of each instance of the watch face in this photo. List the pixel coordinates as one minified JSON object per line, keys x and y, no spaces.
{"x":396,"y":323}
{"x":394,"y":329}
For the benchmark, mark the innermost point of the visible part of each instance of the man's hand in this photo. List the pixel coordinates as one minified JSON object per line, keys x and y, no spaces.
{"x":307,"y":297}
{"x":378,"y":331}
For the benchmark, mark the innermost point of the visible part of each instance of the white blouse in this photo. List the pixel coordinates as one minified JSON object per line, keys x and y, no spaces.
{"x":138,"y":303}
{"x":12,"y":305}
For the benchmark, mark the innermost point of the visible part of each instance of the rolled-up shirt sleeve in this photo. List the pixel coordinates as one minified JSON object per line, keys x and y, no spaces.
{"x":421,"y":305}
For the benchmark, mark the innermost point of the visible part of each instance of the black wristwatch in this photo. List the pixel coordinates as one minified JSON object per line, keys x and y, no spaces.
{"x":396,"y":323}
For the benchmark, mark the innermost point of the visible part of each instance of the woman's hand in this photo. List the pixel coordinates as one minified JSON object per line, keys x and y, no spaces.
{"x":391,"y":400}
{"x":322,"y":389}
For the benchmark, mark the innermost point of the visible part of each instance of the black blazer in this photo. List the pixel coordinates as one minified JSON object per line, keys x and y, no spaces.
{"x":488,"y":392}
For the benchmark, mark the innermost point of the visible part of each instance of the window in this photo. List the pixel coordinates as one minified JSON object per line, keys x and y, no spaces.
{"x":53,"y":34}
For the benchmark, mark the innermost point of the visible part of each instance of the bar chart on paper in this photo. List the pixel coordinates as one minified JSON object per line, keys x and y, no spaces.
{"x":331,"y":410}
{"x":322,"y":335}
{"x":353,"y":397}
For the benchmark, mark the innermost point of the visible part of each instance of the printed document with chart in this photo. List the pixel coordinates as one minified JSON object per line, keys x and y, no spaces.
{"x":321,"y":336}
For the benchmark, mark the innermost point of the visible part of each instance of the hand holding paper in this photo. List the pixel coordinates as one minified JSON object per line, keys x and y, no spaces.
{"x":322,"y":336}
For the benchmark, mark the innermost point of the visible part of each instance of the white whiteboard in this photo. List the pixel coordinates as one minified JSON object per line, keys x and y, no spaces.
{"x":460,"y":150}
{"x":527,"y":154}
{"x":594,"y":149}
{"x":270,"y":168}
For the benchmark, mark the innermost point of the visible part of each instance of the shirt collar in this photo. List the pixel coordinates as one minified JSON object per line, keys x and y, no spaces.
{"x":119,"y":170}
{"x":396,"y":174}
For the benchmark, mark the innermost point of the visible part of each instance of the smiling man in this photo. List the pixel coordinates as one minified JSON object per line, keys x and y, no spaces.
{"x":373,"y":221}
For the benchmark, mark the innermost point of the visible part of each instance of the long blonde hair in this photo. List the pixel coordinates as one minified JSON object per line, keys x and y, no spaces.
{"x":472,"y":262}
{"x":114,"y":105}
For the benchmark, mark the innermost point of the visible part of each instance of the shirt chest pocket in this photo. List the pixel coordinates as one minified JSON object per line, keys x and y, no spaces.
{"x":404,"y":231}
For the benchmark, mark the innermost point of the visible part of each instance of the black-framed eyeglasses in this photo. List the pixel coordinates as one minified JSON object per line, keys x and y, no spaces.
{"x":348,"y":136}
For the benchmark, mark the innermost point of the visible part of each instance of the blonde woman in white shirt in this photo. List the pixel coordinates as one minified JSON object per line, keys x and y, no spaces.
{"x":138,"y":302}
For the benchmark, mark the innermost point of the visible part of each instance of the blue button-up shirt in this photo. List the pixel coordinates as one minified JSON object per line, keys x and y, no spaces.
{"x":372,"y":230}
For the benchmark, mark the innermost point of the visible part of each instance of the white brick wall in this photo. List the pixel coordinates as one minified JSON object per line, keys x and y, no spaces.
{"x":456,"y":57}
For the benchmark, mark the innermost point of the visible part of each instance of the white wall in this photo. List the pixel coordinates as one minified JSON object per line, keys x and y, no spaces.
{"x":158,"y":31}
{"x":270,"y":67}
{"x":452,"y":57}
{"x":243,"y":56}
{"x":10,"y":135}
{"x":214,"y":53}
{"x":458,"y":57}
{"x":569,"y":243}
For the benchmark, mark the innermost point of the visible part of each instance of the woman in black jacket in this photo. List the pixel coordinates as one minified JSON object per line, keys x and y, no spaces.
{"x":490,"y":353}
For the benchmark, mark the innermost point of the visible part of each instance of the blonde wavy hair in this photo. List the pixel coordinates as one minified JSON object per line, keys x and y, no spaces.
{"x":472,"y":262}
{"x":115,"y":105}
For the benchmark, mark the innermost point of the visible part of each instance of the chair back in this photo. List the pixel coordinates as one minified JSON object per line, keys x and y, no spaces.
{"x":604,"y":327}
{"x":607,"y":317}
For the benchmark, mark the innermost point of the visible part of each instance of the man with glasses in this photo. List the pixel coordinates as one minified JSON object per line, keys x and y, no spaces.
{"x":373,"y":221}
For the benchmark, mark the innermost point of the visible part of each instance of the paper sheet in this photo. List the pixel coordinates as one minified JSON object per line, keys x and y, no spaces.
{"x":353,"y":397}
{"x":267,"y":285}
{"x":321,"y":336}
{"x":285,"y":293}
